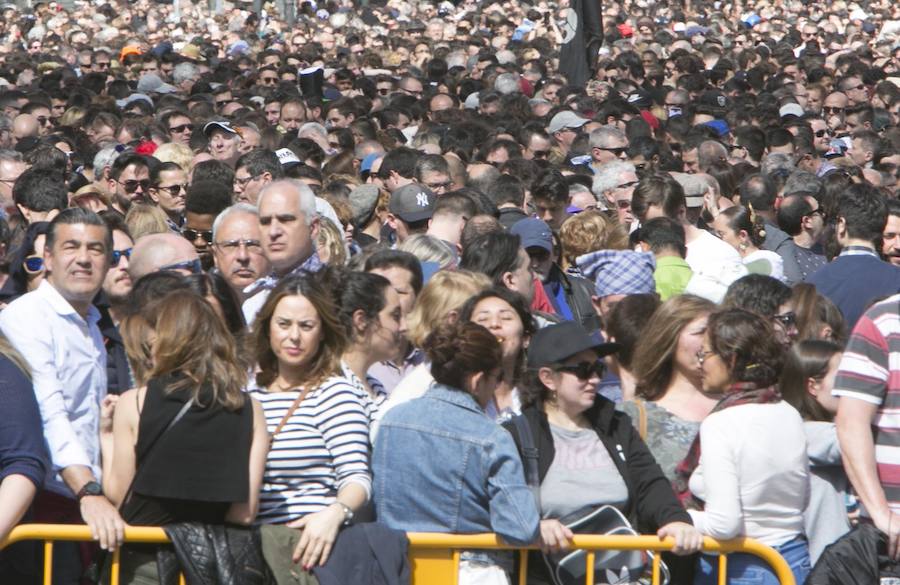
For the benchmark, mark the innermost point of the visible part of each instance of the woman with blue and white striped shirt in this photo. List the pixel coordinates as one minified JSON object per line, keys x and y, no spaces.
{"x":317,"y":473}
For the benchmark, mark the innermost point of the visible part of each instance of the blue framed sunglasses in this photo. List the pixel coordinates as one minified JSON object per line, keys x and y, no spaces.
{"x":116,"y":256}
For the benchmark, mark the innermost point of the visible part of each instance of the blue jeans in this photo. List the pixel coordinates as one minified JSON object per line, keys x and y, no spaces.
{"x":746,"y":569}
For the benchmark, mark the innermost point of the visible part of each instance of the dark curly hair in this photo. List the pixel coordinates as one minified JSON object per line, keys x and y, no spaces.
{"x":748,"y":345}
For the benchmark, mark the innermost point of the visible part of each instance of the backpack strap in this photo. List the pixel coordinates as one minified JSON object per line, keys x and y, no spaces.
{"x":529,"y":457}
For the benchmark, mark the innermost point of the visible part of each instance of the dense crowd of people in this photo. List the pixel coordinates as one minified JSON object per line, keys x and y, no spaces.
{"x":396,"y":266}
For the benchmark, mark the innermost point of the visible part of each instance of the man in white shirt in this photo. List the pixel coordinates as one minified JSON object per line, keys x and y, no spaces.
{"x":55,"y":329}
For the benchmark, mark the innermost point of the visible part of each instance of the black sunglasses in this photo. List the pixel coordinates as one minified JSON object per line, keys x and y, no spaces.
{"x":584,"y":370}
{"x":616,"y":151}
{"x":174,"y":190}
{"x":821,"y":133}
{"x":181,"y":128}
{"x":192,"y":235}
{"x":832,"y":110}
{"x":131,"y":185}
{"x":116,"y":256}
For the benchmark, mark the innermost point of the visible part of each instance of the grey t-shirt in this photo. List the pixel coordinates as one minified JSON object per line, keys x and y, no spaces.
{"x":582,"y":474}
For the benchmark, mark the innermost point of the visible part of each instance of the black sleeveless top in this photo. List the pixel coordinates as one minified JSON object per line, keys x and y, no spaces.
{"x":195,"y":470}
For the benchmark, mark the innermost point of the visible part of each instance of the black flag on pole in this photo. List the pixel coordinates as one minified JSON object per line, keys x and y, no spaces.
{"x":582,"y":37}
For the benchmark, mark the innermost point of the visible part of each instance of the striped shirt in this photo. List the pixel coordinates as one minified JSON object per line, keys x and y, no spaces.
{"x":370,"y":403}
{"x":320,"y":449}
{"x":870,"y":371}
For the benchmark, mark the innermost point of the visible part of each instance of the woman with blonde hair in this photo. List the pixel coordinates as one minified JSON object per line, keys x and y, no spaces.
{"x":143,"y":220}
{"x":176,"y":153}
{"x":441,"y":301}
{"x":331,"y":246}
{"x":430,"y":249}
{"x":670,"y":402}
{"x":587,"y":232}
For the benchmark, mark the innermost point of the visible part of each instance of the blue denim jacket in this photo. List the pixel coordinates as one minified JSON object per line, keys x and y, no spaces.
{"x":441,"y":465}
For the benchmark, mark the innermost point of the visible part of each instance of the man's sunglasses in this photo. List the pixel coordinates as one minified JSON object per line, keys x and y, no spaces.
{"x":192,"y":266}
{"x":116,"y":256}
{"x":33,"y":264}
{"x":181,"y":128}
{"x":174,"y":190}
{"x":192,"y":235}
{"x":131,"y":185}
{"x":584,"y":370}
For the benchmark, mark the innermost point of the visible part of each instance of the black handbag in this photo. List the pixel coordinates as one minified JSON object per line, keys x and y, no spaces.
{"x":570,"y":567}
{"x":213,"y":554}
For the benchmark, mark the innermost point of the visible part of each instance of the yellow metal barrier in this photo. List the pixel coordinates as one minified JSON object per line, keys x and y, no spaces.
{"x":435,"y":557}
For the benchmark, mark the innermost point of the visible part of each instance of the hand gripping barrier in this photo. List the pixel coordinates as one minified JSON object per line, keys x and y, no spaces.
{"x":435,"y":557}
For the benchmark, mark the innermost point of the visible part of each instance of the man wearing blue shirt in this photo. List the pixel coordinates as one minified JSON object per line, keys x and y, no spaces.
{"x":858,"y":277}
{"x":55,"y":328}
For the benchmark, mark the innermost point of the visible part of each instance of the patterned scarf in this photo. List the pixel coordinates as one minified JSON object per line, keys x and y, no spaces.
{"x":739,"y":393}
{"x":309,"y":266}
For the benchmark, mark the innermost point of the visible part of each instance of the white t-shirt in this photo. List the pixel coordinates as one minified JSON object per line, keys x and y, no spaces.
{"x":753,"y":474}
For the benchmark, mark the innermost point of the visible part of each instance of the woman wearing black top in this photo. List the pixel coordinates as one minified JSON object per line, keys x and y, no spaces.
{"x":208,"y":466}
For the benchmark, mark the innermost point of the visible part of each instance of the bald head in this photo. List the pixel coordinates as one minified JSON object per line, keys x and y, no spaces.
{"x":155,"y":251}
{"x":25,"y":125}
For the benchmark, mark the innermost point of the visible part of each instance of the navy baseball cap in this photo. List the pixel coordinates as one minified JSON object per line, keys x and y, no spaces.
{"x":557,"y":343}
{"x":533,"y":233}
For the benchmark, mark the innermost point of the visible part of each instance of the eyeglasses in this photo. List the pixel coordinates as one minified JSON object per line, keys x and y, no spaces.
{"x":131,"y":185}
{"x":787,"y":320}
{"x":33,"y":264}
{"x":243,"y":182}
{"x":703,"y":354}
{"x":192,"y":266}
{"x":116,"y":256}
{"x":192,"y":235}
{"x":584,"y":370}
{"x":616,"y":151}
{"x":832,"y":110}
{"x":821,"y":133}
{"x":540,"y":153}
{"x":815,"y":212}
{"x":269,"y":80}
{"x":438,"y":186}
{"x":174,"y":190}
{"x":43,"y":120}
{"x":233,"y":246}
{"x":104,"y":65}
{"x":181,"y":129}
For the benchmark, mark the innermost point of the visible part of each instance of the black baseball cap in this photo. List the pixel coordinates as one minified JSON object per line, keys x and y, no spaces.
{"x":412,"y":203}
{"x":557,"y":343}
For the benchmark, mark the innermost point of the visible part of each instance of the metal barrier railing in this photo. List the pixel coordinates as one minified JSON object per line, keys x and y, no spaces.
{"x":435,"y":557}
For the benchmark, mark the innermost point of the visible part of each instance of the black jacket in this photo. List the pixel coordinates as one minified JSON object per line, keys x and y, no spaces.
{"x":578,"y":292}
{"x":651,"y":501}
{"x":118,"y":372}
{"x":857,"y":558}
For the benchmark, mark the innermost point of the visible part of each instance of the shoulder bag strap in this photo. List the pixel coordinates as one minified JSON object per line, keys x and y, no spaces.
{"x":529,"y":457}
{"x":290,"y":411}
{"x":642,"y":418}
{"x":175,"y":419}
